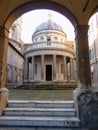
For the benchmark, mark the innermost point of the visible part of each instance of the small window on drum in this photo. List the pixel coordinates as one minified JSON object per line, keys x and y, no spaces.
{"x":48,"y":41}
{"x":55,"y":38}
{"x":48,"y":38}
{"x":41,"y":38}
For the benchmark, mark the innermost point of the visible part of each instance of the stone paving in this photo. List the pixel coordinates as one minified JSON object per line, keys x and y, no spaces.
{"x":17,"y":94}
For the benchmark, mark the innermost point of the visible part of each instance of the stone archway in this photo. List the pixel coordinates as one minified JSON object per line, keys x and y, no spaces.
{"x":83,"y":67}
{"x":84,"y":80}
{"x":29,"y":6}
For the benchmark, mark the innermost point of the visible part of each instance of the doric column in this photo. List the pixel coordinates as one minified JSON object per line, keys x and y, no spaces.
{"x":26,"y":69}
{"x":71,"y":69}
{"x":42,"y":67}
{"x":54,"y":67}
{"x":67,"y":77}
{"x":82,"y":57}
{"x":32,"y":67}
{"x":64,"y":68}
{"x":3,"y":63}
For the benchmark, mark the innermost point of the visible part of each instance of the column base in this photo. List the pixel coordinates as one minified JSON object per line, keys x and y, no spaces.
{"x":3,"y":99}
{"x":86,"y":104}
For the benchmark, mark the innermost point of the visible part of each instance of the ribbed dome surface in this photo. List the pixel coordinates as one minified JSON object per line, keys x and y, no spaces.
{"x":49,"y":25}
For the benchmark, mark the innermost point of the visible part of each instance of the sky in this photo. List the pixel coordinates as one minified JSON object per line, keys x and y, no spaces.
{"x":34,"y":18}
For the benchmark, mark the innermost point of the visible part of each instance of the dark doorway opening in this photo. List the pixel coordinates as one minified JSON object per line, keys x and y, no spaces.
{"x":48,"y":72}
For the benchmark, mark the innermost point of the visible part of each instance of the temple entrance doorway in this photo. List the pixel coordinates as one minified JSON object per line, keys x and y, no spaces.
{"x":48,"y":72}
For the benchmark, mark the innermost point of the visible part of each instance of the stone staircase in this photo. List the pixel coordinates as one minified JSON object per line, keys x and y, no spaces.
{"x":39,"y":115}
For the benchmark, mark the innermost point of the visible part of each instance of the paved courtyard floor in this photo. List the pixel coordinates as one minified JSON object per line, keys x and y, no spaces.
{"x":16,"y":94}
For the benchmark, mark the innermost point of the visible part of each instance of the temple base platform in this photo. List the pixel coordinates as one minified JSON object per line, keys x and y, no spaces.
{"x":47,"y":85}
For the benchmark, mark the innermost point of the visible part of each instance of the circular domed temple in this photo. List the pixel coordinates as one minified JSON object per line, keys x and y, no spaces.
{"x":50,"y":57}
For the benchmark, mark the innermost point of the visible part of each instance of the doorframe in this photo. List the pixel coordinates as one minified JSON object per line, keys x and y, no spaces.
{"x":52,"y":70}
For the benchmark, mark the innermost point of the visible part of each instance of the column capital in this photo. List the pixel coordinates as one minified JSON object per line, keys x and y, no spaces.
{"x":54,"y":55}
{"x":81,"y":28}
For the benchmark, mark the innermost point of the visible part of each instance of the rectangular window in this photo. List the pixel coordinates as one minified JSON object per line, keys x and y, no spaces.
{"x":48,"y":43}
{"x":91,"y":54}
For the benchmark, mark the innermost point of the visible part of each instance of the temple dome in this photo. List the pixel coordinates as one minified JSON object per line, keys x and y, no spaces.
{"x":49,"y":25}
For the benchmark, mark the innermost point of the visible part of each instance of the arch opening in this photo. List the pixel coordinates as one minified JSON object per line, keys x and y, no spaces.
{"x":39,"y":5}
{"x":51,"y":58}
{"x":93,"y":47}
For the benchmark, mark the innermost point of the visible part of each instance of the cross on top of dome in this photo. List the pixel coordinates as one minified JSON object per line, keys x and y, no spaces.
{"x":50,"y":16}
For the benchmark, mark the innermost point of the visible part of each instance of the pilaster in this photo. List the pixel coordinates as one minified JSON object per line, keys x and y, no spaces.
{"x":3,"y":63}
{"x":85,"y":97}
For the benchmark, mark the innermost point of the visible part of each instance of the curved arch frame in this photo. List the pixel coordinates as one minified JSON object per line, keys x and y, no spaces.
{"x":95,"y":10}
{"x":32,"y":5}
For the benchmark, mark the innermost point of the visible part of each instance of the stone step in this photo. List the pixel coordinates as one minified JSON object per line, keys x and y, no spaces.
{"x":39,"y":114}
{"x":40,"y":104}
{"x":42,"y":128}
{"x":69,"y":112}
{"x":39,"y":121}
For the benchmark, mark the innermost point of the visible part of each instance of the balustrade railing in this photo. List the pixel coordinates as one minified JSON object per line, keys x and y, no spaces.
{"x":49,"y":45}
